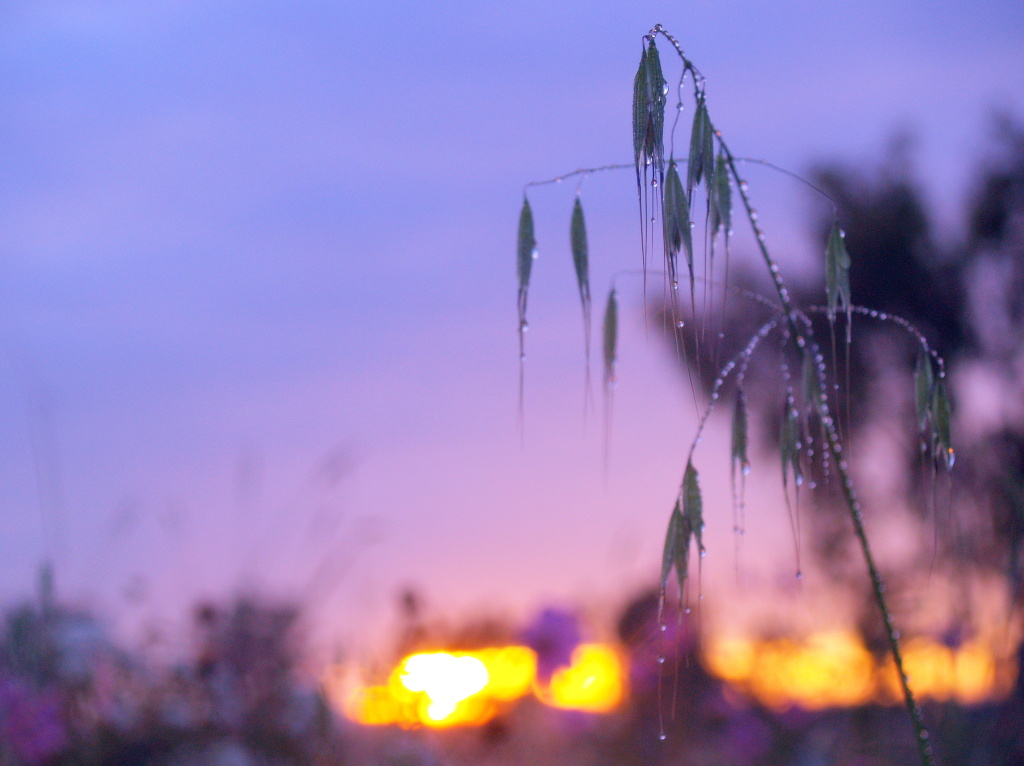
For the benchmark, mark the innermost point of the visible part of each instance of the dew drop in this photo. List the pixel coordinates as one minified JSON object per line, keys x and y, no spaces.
{"x":664,"y":89}
{"x":663,"y":628}
{"x":661,"y":659}
{"x":687,"y":610}
{"x":654,"y":182}
{"x":661,"y":736}
{"x":703,"y":553}
{"x":680,"y":106}
{"x":680,"y":324}
{"x":535,"y":254}
{"x":746,"y":468}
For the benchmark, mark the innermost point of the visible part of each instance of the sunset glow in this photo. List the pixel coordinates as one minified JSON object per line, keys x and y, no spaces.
{"x":835,"y":670}
{"x":441,"y":689}
{"x":829,"y":669}
{"x":592,"y":683}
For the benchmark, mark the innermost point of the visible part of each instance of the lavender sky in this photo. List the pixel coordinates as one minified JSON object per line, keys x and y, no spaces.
{"x":257,"y":285}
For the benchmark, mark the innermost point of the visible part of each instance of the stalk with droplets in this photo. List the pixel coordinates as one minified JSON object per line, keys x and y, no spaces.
{"x":662,"y":191}
{"x":838,"y":265}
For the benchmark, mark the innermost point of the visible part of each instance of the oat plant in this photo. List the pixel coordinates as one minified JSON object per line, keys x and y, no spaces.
{"x":706,"y":183}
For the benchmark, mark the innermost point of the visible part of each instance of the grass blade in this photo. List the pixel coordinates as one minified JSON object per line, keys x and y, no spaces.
{"x":693,"y":506}
{"x":812,"y":388}
{"x":641,"y":114}
{"x":676,"y":218}
{"x":656,"y":92}
{"x":649,"y":111}
{"x":611,"y":337}
{"x":837,"y":274}
{"x":707,"y":155}
{"x":526,"y":252}
{"x":789,"y":446}
{"x":941,"y":425}
{"x":924,"y":380}
{"x":669,"y":557}
{"x":701,"y":164}
{"x":695,"y":164}
{"x":740,"y":463}
{"x":721,"y":199}
{"x":578,"y":240}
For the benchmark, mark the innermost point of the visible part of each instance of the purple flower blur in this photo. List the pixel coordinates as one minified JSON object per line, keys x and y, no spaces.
{"x":553,"y":634}
{"x":30,"y":721}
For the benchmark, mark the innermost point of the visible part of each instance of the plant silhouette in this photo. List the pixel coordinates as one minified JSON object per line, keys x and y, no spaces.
{"x":812,"y":342}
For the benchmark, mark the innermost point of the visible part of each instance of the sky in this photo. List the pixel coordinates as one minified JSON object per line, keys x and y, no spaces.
{"x":257,"y":285}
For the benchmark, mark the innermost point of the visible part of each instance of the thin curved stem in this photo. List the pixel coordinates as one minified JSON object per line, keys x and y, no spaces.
{"x":577,"y":172}
{"x":806,"y":344}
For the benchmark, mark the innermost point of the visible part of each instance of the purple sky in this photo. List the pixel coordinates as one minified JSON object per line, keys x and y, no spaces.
{"x":257,"y":316}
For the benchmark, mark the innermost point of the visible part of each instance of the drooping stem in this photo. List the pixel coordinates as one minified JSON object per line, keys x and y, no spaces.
{"x":878,"y":589}
{"x":834,"y":446}
{"x":835,"y":449}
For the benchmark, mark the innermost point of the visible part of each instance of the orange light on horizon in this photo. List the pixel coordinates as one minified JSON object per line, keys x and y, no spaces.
{"x":829,"y":669}
{"x":835,"y":670}
{"x":969,"y":674}
{"x":592,"y":682}
{"x":444,"y":689}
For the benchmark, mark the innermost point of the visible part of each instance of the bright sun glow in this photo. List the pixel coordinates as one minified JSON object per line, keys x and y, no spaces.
{"x":833,"y":669}
{"x":441,"y":689}
{"x":445,"y":679}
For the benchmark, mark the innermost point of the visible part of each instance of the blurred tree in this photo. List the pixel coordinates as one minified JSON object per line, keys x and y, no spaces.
{"x":967,"y":298}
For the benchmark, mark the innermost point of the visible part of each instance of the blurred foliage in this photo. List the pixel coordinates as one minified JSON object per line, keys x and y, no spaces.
{"x":965,"y":293}
{"x":69,"y":696}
